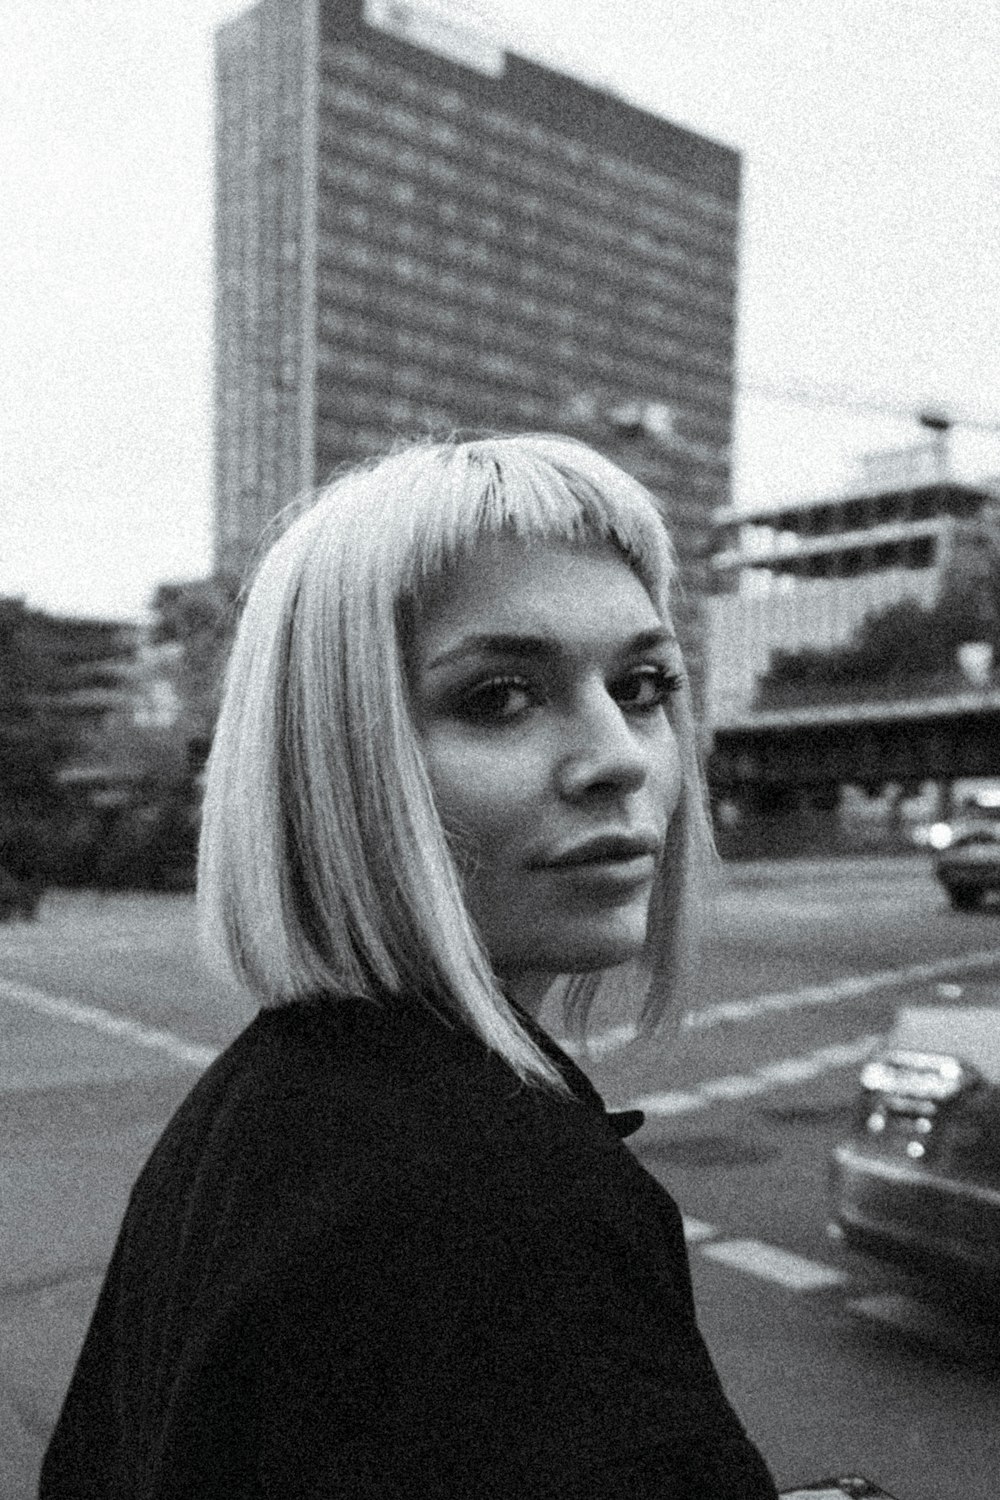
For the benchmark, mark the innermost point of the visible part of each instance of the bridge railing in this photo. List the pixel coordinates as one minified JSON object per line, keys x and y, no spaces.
{"x":909,"y":688}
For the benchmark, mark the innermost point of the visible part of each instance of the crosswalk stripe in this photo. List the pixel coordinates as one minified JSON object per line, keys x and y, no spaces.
{"x":763,"y":1080}
{"x":851,"y":987}
{"x":773,"y":1264}
{"x":696,"y":1230}
{"x":63,"y":1009}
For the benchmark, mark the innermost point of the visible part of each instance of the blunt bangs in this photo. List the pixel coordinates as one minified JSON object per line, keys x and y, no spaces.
{"x":324,"y":868}
{"x":536,"y":488}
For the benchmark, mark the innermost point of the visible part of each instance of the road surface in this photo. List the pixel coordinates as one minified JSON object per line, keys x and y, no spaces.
{"x":106,"y":1020}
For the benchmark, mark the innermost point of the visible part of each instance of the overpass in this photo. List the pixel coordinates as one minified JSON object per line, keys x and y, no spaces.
{"x":867,"y":744}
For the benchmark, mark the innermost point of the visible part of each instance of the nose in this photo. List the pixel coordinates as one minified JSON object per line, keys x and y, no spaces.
{"x":605,"y":752}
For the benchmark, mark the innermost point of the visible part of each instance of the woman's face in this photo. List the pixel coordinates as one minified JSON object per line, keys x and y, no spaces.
{"x":540,"y":674}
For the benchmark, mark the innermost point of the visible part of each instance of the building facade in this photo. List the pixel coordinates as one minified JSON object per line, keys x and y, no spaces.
{"x":418,"y":231}
{"x":806,"y":576}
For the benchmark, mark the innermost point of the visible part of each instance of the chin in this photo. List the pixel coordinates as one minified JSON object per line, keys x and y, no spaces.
{"x":597,"y":950}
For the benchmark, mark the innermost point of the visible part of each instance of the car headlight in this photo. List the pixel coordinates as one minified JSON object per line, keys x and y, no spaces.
{"x":932,"y":1076}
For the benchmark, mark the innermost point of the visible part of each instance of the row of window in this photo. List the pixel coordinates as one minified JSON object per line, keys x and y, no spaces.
{"x":515,"y":226}
{"x":441,"y":335}
{"x":457,"y":266}
{"x":419,"y":360}
{"x":605,"y":306}
{"x":418,"y":402}
{"x":635,"y":342}
{"x":672,"y":340}
{"x":585,"y":206}
{"x":398,"y":83}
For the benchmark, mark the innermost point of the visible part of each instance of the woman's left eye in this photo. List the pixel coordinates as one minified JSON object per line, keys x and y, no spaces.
{"x":646,"y":688}
{"x":500,"y":700}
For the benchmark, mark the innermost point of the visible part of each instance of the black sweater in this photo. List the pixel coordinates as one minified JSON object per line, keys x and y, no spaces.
{"x":364,"y":1260}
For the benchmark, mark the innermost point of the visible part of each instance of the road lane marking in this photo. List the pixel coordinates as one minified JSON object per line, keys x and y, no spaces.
{"x":696,"y":1230}
{"x":851,"y":987}
{"x":772,"y":1264}
{"x":763,"y":1080}
{"x":848,"y":988}
{"x":63,"y":1009}
{"x":603,"y":1042}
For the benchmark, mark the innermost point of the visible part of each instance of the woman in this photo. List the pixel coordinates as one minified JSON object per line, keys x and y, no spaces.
{"x":392,"y":1244}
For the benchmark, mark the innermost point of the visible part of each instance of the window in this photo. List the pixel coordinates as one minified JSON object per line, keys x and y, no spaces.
{"x":440,"y":170}
{"x":400,"y":410}
{"x":343,"y":96}
{"x":443,"y":134}
{"x":499,"y":363}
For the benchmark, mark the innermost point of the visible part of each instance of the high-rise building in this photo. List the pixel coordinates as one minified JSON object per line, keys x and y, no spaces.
{"x":417,"y":231}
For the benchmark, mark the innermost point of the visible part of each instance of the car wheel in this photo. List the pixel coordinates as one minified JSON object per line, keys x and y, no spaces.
{"x":963,"y":899}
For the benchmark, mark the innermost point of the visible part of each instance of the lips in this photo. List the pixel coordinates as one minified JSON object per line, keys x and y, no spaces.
{"x":604,"y":850}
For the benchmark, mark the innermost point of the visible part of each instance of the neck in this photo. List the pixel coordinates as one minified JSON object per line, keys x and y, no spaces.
{"x":527,"y":990}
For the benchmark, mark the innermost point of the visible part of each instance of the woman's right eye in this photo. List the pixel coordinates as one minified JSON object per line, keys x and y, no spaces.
{"x":500,"y":700}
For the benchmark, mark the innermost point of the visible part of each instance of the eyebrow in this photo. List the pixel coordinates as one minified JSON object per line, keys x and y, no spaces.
{"x":539,"y":647}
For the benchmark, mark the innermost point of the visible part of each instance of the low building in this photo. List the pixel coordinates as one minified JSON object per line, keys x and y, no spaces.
{"x":791,"y":577}
{"x":852,"y":644}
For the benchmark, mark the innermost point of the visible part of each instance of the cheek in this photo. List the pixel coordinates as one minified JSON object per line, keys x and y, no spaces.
{"x":482,"y":798}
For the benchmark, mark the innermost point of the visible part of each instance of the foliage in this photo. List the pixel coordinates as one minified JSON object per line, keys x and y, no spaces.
{"x":57,"y":677}
{"x":30,"y":753}
{"x":902,"y":644}
{"x":199,"y":617}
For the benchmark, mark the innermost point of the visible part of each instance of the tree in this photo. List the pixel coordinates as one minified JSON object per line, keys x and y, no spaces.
{"x":58,"y":679}
{"x":898,"y":647}
{"x":30,"y":753}
{"x":199,"y":618}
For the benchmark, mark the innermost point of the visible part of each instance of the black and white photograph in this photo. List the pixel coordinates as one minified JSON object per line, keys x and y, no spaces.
{"x":499,"y":750}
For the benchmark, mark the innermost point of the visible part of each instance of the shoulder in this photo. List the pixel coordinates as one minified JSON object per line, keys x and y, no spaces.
{"x":354,"y":1102}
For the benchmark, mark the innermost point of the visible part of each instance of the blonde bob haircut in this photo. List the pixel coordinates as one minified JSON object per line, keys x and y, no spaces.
{"x":324,"y":869}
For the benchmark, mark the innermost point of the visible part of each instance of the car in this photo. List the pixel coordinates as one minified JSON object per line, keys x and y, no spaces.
{"x":969,"y":867}
{"x":854,"y":1487}
{"x":916,"y":1184}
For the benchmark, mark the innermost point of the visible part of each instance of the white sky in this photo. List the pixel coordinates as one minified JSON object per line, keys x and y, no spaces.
{"x":871,"y":246}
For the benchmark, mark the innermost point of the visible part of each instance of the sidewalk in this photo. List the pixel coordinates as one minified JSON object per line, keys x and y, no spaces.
{"x":78,"y":1115}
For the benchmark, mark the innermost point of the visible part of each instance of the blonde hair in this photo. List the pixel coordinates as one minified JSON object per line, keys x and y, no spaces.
{"x":324,"y":867}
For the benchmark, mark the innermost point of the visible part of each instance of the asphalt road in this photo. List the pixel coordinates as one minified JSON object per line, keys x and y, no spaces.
{"x":105,"y":1020}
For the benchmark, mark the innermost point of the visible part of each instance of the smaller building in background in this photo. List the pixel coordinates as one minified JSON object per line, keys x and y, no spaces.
{"x":853,"y":652}
{"x":806,"y":576}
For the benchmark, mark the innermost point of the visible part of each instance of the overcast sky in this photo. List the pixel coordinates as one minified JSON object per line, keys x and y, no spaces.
{"x":869,"y":262}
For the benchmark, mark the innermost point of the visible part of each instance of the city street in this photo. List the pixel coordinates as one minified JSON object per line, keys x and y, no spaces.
{"x":106,"y":1021}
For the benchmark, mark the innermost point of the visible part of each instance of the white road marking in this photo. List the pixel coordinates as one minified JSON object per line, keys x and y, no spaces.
{"x":63,"y":1009}
{"x":673,"y":1102}
{"x":696,"y":1230}
{"x":763,"y":1080}
{"x":604,"y":1042}
{"x":771,"y":1264}
{"x":848,"y":988}
{"x":851,"y":987}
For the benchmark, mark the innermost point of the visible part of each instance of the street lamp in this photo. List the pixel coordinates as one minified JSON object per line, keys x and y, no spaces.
{"x":939,"y":425}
